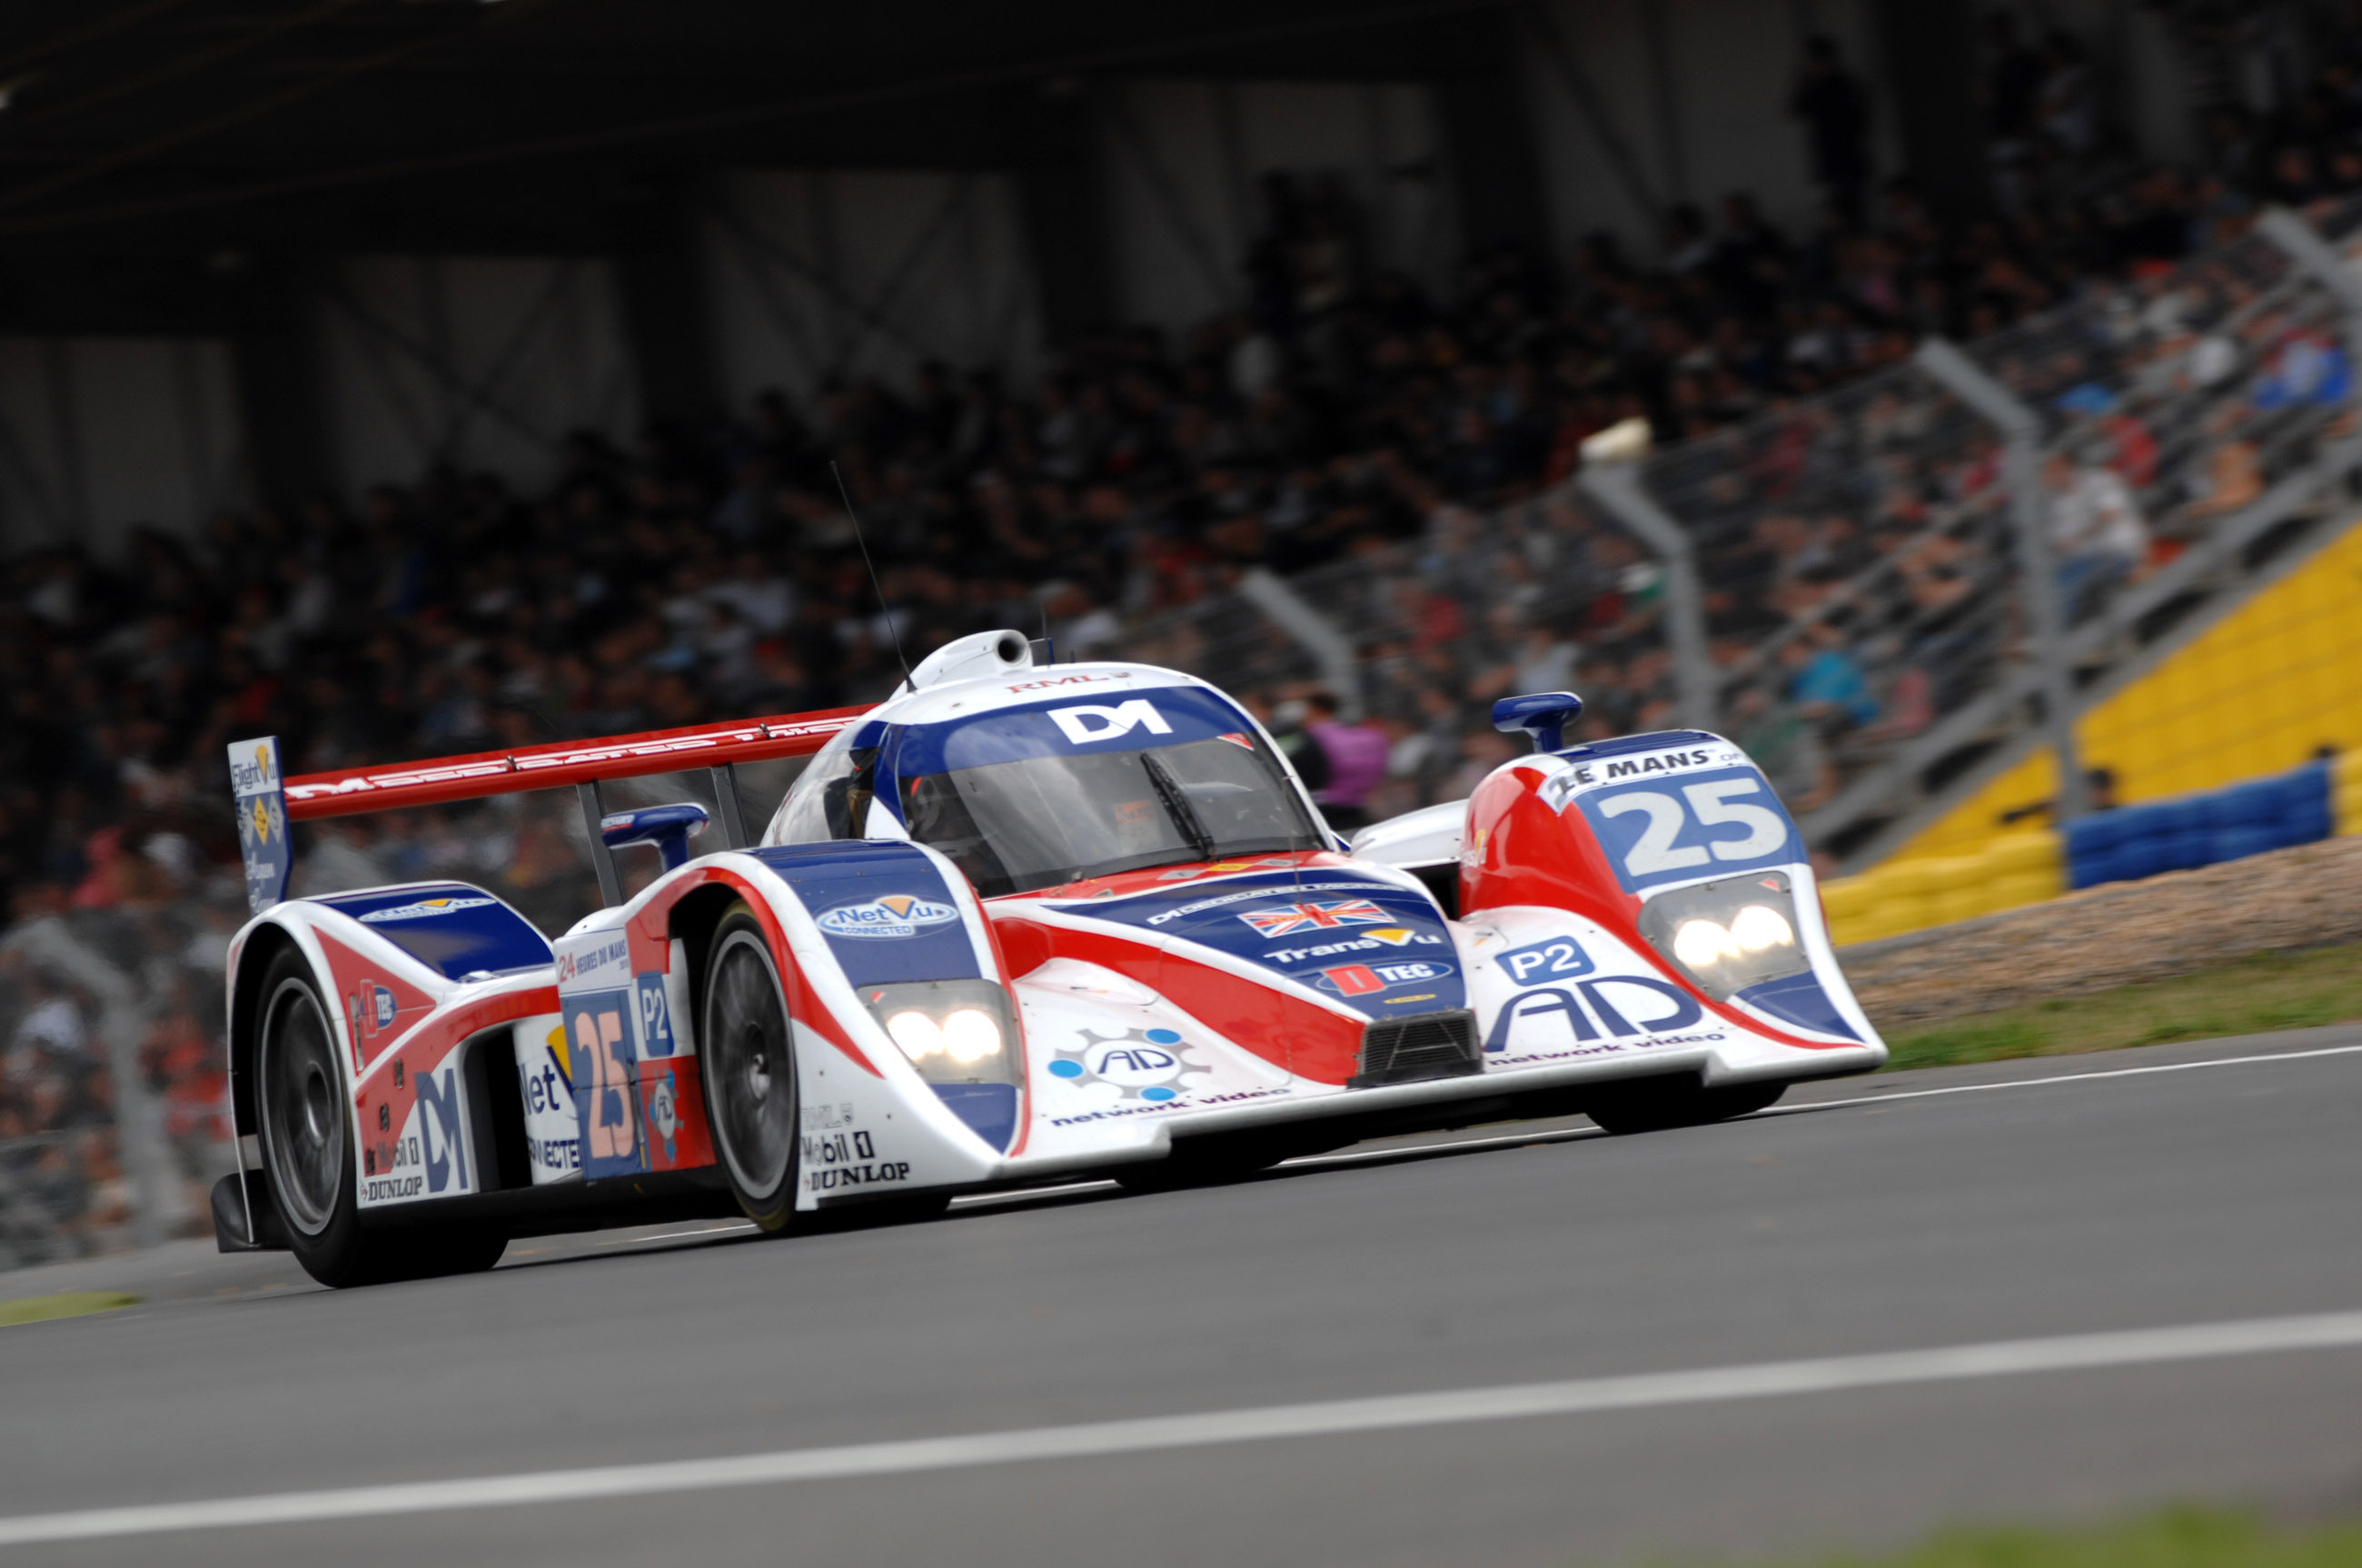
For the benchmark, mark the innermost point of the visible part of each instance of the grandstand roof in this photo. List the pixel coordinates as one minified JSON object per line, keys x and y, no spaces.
{"x":186,"y":126}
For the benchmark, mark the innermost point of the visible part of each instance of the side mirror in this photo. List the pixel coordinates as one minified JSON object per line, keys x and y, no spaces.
{"x":1543,"y":714}
{"x":669,"y":828}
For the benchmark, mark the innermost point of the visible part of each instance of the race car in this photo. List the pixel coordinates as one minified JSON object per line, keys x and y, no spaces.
{"x":1019,"y":925}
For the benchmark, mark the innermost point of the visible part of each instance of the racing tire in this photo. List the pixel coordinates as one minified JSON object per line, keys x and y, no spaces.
{"x":747,"y":1054}
{"x":304,"y":1117}
{"x":1656,"y":1105}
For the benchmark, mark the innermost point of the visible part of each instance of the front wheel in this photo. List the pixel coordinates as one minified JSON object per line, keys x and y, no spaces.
{"x":749,"y":1068}
{"x":305,"y":1123}
{"x":1654,"y":1105}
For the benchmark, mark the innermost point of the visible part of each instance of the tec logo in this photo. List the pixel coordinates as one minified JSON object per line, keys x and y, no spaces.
{"x":895,"y":914}
{"x":1143,"y":1063}
{"x":371,"y":1009}
{"x":1291,"y":918}
{"x":1088,"y":722}
{"x":1368,"y":979}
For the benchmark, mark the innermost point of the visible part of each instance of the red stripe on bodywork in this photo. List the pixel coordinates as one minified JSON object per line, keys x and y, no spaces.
{"x":653,"y":923}
{"x":1299,"y":1036}
{"x":1528,"y":853}
{"x":355,"y":977}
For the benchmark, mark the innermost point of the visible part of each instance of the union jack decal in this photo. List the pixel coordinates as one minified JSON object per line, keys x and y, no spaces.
{"x":1289,"y":918}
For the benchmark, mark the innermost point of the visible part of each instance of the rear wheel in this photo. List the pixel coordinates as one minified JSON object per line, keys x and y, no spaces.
{"x":749,"y":1061}
{"x":1653,"y":1105}
{"x":305,"y":1123}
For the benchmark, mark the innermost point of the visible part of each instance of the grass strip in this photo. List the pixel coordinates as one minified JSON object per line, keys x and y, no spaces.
{"x":2253,"y":995}
{"x":64,"y":1304}
{"x":2177,"y":1538}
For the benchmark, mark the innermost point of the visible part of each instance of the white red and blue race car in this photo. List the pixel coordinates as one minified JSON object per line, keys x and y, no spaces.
{"x":1014,"y":926}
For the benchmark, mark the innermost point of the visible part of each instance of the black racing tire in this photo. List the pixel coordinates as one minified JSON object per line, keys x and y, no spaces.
{"x":1656,"y":1105}
{"x":304,"y":1117}
{"x":746,"y":1059}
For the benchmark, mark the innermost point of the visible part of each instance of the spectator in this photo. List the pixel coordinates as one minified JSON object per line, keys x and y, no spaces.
{"x":2096,"y":532}
{"x":1356,"y":756}
{"x":1836,"y":111}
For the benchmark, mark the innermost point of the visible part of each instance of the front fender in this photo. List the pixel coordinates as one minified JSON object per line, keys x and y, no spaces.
{"x":1684,"y":822}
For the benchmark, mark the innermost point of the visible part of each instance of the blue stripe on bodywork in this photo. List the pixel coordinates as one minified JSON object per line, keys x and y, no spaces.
{"x":1799,"y":1000}
{"x":452,"y":928}
{"x":990,"y":1109}
{"x":1118,"y":718}
{"x":855,"y":889}
{"x":1207,"y":913}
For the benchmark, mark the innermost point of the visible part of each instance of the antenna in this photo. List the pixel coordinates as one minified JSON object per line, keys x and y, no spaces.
{"x":893,"y":629}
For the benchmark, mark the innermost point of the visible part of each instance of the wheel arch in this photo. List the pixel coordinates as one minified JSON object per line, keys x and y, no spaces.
{"x":262,"y":949}
{"x":693,"y":923}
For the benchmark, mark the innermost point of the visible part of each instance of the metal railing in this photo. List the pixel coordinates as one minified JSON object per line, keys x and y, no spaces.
{"x":1842,"y":584}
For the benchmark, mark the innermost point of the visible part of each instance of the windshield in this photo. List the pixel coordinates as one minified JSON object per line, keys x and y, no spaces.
{"x":1039,"y":822}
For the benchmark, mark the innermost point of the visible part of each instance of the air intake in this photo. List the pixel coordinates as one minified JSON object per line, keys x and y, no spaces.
{"x":1407,"y":1050}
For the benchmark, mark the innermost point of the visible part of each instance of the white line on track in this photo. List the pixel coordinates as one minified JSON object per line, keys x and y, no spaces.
{"x":2004,"y":1358}
{"x":731,"y":1229}
{"x":2066,"y":1079}
{"x":1574,"y":1135}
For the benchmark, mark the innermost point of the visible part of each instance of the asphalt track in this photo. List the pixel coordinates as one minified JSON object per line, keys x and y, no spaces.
{"x":2026,"y":1290}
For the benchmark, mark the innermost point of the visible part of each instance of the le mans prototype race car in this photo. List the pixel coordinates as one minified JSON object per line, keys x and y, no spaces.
{"x":1015,"y":926}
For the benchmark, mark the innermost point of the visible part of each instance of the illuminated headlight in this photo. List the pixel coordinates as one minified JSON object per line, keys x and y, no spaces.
{"x":1759,"y":926}
{"x":1730,"y":934}
{"x":954,"y":1032}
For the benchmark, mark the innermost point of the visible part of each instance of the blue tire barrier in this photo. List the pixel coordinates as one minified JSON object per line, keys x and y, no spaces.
{"x":2181,"y":834}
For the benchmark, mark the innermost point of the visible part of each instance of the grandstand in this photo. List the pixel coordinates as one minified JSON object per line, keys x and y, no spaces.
{"x":1268,"y":345}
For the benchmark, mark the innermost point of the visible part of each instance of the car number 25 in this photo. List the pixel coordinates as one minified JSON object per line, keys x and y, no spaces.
{"x":1682,"y":828}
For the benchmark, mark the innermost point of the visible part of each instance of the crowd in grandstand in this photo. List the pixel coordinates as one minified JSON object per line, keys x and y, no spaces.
{"x":1334,"y":418}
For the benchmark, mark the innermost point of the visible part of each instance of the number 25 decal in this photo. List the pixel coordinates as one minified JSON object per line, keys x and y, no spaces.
{"x":1710,"y":804}
{"x":596,"y":1035}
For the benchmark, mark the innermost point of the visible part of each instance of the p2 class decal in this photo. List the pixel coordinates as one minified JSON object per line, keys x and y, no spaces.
{"x":1542,"y":963}
{"x":1690,"y":826}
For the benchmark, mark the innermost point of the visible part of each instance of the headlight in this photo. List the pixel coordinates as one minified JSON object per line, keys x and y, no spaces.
{"x":1760,"y":926}
{"x":954,"y":1032}
{"x":1701,"y":945}
{"x":1730,"y":934}
{"x":970,"y":1036}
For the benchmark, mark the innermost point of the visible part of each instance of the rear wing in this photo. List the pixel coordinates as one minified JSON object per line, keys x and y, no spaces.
{"x":266,"y":804}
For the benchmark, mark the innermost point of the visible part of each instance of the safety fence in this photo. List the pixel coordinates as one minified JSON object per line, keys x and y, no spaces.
{"x":114,"y":1115}
{"x":1858,"y":587}
{"x":1896,"y":596}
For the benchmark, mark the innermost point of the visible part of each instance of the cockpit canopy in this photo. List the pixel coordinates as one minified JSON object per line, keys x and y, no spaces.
{"x":1053,"y":791}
